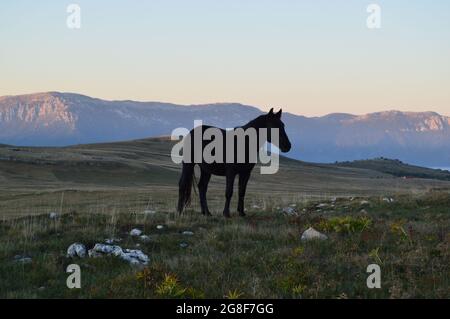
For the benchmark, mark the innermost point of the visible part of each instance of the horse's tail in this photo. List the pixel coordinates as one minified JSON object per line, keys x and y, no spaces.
{"x":185,"y":186}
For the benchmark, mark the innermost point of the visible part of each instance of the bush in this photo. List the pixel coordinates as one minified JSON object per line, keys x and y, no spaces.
{"x":346,"y":224}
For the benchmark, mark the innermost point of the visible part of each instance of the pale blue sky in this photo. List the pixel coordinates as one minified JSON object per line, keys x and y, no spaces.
{"x":310,"y":57}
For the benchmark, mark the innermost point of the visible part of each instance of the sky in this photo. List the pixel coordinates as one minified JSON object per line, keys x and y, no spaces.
{"x":308,"y":57}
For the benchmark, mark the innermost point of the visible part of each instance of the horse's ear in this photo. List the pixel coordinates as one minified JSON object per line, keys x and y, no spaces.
{"x":279,"y":113}
{"x":271,"y":111}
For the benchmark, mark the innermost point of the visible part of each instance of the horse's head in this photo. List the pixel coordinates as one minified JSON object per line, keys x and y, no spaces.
{"x":273,"y":120}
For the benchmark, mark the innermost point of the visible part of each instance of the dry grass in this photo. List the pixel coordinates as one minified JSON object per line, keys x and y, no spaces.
{"x":256,"y":257}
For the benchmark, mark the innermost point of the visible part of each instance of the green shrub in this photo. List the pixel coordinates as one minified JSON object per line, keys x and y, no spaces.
{"x":345,"y":224}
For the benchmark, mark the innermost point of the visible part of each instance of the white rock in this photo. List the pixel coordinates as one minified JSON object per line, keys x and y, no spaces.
{"x":108,"y":249}
{"x":256,"y":207}
{"x":289,"y":211}
{"x":184,"y":245}
{"x":160,"y":227}
{"x":322,"y":205}
{"x":111,"y":241}
{"x":145,"y":238}
{"x":311,"y":234}
{"x":130,"y":254}
{"x":53,"y":215}
{"x":149,"y":212}
{"x":365,"y":202}
{"x":188,"y":233}
{"x":76,"y":250}
{"x":22,"y":259}
{"x":131,"y":260}
{"x":135,"y":232}
{"x":133,"y":256}
{"x":94,"y":254}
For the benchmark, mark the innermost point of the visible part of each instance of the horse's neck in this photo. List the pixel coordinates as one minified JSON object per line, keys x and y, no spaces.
{"x":255,"y":124}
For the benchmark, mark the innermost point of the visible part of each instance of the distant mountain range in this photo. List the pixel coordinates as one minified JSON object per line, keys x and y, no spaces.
{"x":56,"y":119}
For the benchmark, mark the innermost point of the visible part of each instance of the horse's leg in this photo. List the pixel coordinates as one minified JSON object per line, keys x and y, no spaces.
{"x":228,"y":193}
{"x":243,"y":179}
{"x":202,"y":189}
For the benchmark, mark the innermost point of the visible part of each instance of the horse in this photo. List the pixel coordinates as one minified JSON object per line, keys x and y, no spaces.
{"x":244,"y":168}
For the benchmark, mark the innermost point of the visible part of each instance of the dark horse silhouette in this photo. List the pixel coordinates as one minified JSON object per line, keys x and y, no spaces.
{"x":225,"y":167}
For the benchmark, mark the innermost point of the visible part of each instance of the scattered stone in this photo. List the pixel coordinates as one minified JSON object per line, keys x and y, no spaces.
{"x":160,"y":227}
{"x":149,"y":212}
{"x":22,"y":259}
{"x":365,"y":202}
{"x":289,"y":211}
{"x":334,"y":199}
{"x":135,"y":232}
{"x":187,"y":233}
{"x":111,"y":241}
{"x":53,"y":215}
{"x":293,"y":205}
{"x":145,"y":238}
{"x":322,"y":205}
{"x":108,"y":249}
{"x":311,"y":234}
{"x":76,"y":250}
{"x":94,"y":254}
{"x":184,"y":245}
{"x":256,"y":207}
{"x":388,"y":199}
{"x":133,"y":256}
{"x":42,"y":288}
{"x":363,"y":211}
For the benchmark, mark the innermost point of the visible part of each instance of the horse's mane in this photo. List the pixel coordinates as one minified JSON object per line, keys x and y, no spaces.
{"x":256,"y":122}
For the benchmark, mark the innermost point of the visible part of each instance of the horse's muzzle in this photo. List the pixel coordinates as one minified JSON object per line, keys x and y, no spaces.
{"x":285,"y":148}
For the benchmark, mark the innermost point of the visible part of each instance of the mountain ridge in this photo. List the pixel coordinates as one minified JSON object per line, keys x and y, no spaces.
{"x":62,"y":118}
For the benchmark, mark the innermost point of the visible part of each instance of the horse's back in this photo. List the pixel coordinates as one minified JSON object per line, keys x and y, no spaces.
{"x":215,"y":167}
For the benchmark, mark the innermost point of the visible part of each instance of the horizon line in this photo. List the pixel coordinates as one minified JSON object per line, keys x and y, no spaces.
{"x":218,"y":103}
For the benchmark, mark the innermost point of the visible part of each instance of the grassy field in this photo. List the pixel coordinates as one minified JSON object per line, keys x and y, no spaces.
{"x":255,"y":257}
{"x":102,"y":191}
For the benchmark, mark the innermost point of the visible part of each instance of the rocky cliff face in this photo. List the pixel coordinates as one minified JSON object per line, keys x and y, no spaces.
{"x":65,"y":118}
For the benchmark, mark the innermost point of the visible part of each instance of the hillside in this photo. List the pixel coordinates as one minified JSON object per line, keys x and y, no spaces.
{"x":60,"y":119}
{"x":141,"y":167}
{"x":147,"y":162}
{"x":51,"y":198}
{"x":398,"y":168}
